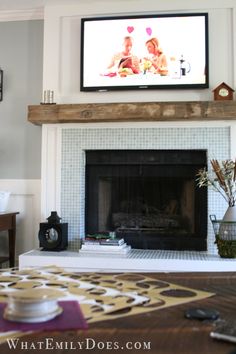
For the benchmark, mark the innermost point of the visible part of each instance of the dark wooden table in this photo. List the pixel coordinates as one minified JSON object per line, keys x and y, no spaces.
{"x":8,"y":223}
{"x":167,"y":330}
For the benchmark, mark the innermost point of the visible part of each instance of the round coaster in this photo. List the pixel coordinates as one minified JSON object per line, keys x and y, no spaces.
{"x":202,"y":313}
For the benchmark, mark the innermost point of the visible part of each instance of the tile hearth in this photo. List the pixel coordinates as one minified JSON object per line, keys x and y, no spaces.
{"x":134,"y":261}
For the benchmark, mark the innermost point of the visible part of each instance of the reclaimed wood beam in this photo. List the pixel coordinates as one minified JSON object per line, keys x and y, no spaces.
{"x":131,"y":112}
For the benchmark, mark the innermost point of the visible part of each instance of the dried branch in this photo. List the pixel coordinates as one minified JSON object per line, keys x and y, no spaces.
{"x":222,"y":179}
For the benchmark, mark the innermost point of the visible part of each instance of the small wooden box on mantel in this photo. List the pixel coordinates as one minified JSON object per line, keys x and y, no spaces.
{"x":223,"y":92}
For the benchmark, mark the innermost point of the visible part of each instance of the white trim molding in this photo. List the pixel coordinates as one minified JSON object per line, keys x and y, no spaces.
{"x":51,"y":169}
{"x":22,"y":15}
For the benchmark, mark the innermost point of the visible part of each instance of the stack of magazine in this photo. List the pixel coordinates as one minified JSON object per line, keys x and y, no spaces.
{"x":106,"y":245}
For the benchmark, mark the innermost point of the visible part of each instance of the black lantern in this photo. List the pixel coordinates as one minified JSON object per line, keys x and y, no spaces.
{"x":1,"y":84}
{"x":53,"y":235}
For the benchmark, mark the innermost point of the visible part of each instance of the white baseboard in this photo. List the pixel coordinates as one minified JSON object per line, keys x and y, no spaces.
{"x":24,"y":198}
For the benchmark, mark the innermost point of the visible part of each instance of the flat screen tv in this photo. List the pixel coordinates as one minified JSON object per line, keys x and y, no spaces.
{"x":144,"y":52}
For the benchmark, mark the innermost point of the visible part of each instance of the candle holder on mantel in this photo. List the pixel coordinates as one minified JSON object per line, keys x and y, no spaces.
{"x":48,"y":97}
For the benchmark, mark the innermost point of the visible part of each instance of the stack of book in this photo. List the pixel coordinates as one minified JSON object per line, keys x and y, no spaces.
{"x":111,"y":246}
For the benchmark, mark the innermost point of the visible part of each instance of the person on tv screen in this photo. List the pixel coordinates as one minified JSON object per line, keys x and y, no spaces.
{"x":125,"y":59}
{"x":126,"y":67}
{"x":156,"y":60}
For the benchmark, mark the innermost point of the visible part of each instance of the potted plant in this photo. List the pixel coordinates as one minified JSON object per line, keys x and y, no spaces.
{"x":222,"y":178}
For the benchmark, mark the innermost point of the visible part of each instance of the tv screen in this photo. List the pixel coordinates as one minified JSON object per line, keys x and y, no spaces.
{"x":144,"y":52}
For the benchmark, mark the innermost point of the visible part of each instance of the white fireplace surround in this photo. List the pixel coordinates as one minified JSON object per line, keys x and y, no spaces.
{"x":54,"y":150}
{"x":52,"y":162}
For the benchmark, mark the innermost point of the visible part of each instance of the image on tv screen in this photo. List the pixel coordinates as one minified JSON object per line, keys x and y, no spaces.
{"x":159,"y":51}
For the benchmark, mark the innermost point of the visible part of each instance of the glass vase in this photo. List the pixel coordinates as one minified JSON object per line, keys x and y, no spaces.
{"x":230,"y":214}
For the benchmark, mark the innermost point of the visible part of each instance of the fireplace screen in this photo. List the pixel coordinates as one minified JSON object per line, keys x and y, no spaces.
{"x":149,"y":198}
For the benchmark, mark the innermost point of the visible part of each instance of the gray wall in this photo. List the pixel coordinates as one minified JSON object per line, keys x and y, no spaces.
{"x":21,"y":58}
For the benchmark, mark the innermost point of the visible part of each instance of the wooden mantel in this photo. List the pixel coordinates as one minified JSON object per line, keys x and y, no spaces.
{"x":134,"y":111}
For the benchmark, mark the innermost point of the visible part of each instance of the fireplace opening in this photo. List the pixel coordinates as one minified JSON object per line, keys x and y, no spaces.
{"x":148,"y":197}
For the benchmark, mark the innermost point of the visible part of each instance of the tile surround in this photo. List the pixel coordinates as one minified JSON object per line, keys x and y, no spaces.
{"x":75,"y":141}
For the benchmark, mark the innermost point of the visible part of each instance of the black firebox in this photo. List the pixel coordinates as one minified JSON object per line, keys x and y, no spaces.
{"x":148,"y":197}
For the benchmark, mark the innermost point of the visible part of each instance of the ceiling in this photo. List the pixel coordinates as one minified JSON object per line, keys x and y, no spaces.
{"x":11,"y":5}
